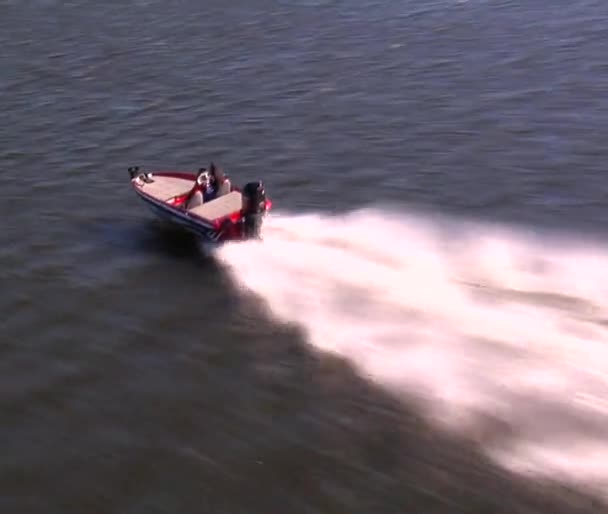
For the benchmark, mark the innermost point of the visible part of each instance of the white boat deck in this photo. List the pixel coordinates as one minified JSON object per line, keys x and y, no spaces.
{"x":165,"y":188}
{"x":220,"y":207}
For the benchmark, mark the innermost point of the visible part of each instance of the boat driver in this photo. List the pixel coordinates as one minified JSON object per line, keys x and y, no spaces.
{"x":219,"y":182}
{"x":201,"y":191}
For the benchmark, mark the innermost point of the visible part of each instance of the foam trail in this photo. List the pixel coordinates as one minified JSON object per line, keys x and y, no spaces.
{"x":503,"y":336}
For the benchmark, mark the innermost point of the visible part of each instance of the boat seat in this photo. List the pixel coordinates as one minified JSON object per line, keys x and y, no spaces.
{"x":195,"y":200}
{"x":219,"y":207}
{"x":224,"y":188}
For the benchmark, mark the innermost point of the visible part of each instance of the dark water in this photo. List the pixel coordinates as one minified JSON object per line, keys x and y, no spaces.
{"x":135,"y":374}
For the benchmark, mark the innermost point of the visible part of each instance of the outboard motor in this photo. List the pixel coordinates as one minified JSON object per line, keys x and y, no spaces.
{"x":254,"y":208}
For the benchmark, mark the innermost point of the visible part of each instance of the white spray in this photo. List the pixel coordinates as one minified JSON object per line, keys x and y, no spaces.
{"x":503,"y":336}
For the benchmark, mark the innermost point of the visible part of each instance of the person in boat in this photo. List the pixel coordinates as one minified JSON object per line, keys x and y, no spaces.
{"x":219,"y":182}
{"x":199,"y":193}
{"x":209,"y":185}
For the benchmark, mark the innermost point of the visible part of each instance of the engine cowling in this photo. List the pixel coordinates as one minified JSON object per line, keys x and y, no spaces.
{"x":254,"y":208}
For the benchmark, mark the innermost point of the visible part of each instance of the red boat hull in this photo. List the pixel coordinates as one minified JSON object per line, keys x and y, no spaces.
{"x":221,"y":220}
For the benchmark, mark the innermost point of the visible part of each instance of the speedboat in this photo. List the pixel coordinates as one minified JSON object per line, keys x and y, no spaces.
{"x":236,"y":215}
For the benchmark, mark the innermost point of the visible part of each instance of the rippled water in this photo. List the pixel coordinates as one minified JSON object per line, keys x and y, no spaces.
{"x":424,"y":326}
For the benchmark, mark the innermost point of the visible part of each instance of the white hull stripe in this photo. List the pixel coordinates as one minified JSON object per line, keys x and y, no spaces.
{"x":198,"y":226}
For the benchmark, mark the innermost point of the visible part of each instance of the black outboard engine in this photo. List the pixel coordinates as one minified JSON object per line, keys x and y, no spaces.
{"x":254,"y":207}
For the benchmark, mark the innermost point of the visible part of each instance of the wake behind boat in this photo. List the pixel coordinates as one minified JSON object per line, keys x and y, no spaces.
{"x":229,"y":214}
